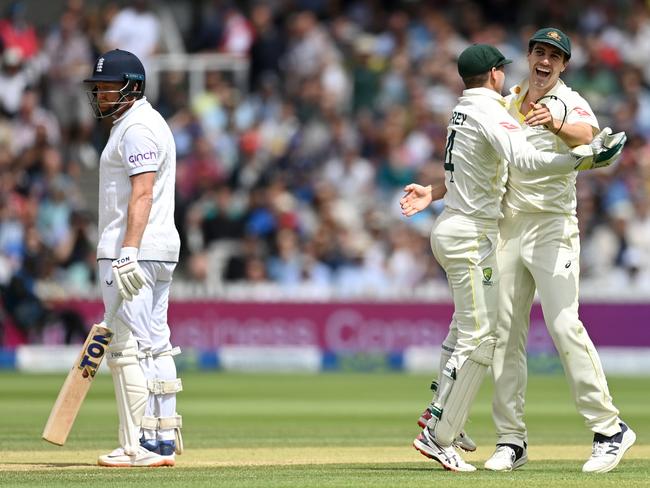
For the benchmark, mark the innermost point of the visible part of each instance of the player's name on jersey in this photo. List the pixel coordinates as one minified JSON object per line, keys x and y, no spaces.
{"x":457,"y":118}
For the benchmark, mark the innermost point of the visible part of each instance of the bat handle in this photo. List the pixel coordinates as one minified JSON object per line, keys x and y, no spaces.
{"x":112,"y":311}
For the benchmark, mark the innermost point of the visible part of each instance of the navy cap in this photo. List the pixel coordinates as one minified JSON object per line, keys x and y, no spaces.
{"x":117,"y":65}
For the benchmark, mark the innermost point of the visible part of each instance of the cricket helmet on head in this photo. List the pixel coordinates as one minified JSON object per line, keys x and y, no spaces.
{"x":121,"y":67}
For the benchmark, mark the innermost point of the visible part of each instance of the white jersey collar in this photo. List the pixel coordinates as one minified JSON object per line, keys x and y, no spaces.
{"x":483,"y":92}
{"x":136,"y":105}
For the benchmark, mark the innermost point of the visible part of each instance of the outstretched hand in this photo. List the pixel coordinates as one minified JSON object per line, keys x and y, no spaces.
{"x":416,"y":198}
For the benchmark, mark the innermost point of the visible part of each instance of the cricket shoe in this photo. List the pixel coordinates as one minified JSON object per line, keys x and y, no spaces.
{"x":119,"y":459}
{"x":463,"y":441}
{"x":446,"y":456}
{"x":507,"y":457}
{"x":166,"y":449}
{"x":607,"y":452}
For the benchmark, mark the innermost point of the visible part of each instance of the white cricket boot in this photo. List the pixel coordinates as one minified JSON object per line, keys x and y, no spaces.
{"x":505,"y":459}
{"x":446,"y":456}
{"x":463,"y":441}
{"x":143,"y":458}
{"x":166,"y":449}
{"x":607,"y":452}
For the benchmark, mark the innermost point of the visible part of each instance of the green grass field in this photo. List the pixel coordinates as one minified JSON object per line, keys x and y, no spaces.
{"x":309,"y":430}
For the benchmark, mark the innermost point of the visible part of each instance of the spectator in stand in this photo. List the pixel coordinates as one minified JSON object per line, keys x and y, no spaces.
{"x":309,"y":47}
{"x":136,"y":29}
{"x":285,"y":264}
{"x":76,"y":254}
{"x":16,"y":31}
{"x":250,"y":248}
{"x":12,"y":235}
{"x":70,"y":56}
{"x":33,"y":119}
{"x":200,"y":171}
{"x":15,"y":77}
{"x":268,"y":47}
{"x":222,"y":216}
{"x":366,"y":75}
{"x":352,"y":174}
{"x":237,"y":35}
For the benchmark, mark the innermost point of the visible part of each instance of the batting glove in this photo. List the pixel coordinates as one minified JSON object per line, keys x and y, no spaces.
{"x":128,"y":273}
{"x":604,"y":150}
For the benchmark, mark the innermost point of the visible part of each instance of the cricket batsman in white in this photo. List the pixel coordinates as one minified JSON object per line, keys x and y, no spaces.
{"x":137,"y":252}
{"x":483,"y":141}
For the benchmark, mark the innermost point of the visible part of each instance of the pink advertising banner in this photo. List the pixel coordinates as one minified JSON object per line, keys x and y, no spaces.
{"x":363,"y":327}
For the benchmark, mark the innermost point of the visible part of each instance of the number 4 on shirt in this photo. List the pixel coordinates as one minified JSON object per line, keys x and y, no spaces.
{"x":449,"y":166}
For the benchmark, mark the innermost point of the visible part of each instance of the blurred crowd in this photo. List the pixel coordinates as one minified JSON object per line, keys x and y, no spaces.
{"x":292,"y":182}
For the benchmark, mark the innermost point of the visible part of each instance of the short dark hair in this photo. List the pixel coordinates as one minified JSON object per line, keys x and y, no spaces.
{"x":476,"y":80}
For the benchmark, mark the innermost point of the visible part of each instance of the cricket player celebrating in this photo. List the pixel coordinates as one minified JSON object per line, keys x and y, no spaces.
{"x":482,"y":141}
{"x":137,"y":252}
{"x":540,"y":249}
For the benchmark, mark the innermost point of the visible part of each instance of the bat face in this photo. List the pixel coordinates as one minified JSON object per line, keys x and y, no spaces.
{"x":93,"y":353}
{"x":76,"y":385}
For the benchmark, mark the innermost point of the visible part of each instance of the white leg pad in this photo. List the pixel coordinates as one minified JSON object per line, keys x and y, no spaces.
{"x":468,"y":379}
{"x":131,"y":392}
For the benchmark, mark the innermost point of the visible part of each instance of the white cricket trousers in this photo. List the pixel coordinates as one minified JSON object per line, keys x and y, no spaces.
{"x":146,"y":314}
{"x":465,"y":247}
{"x":543,"y":250}
{"x":146,"y":318}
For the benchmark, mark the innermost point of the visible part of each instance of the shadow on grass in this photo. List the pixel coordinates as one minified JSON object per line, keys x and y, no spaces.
{"x":52,"y":465}
{"x":396,"y":468}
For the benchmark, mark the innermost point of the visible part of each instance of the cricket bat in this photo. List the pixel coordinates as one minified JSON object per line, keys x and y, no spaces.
{"x":76,"y":385}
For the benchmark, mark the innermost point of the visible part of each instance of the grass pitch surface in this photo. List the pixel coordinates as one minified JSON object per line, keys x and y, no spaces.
{"x":325,"y":430}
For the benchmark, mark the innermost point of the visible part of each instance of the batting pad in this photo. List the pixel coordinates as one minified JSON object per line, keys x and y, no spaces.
{"x":131,"y":391}
{"x":468,"y":381}
{"x":446,"y":351}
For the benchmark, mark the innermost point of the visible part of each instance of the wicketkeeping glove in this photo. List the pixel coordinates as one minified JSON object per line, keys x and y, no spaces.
{"x":605,"y":149}
{"x":128,"y":273}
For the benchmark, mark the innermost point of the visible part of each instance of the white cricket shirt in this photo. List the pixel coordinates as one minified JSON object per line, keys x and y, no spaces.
{"x":546,"y":193}
{"x":483,"y":140}
{"x":140,"y":141}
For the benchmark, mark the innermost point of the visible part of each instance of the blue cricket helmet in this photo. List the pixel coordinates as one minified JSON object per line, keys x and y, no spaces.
{"x":117,"y":66}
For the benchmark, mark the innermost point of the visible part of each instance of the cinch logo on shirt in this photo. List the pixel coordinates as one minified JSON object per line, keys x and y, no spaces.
{"x":138,"y":158}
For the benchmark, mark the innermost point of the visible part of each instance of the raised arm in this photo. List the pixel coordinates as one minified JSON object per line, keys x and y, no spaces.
{"x":508,"y":140}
